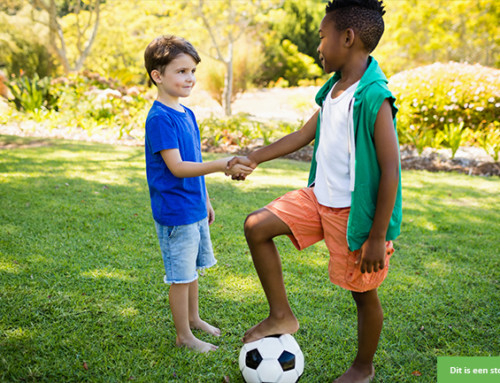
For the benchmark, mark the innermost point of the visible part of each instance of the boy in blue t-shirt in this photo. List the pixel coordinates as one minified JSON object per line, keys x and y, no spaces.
{"x":179,"y":199}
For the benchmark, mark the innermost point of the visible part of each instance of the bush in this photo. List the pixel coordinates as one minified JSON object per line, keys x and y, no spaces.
{"x":85,"y":101}
{"x":285,"y":61}
{"x":23,"y":51}
{"x":33,"y":94}
{"x":239,"y":131}
{"x":447,"y":104}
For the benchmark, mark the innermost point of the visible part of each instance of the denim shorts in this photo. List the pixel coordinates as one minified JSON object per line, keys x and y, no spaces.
{"x":185,"y":249}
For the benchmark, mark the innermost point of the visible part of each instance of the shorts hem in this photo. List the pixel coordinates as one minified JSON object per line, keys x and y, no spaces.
{"x":206,"y":267}
{"x":291,"y":225}
{"x":188,"y":281}
{"x":178,"y":282}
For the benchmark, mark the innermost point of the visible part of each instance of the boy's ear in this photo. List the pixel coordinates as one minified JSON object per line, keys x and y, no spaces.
{"x":155,"y":74}
{"x":349,"y":37}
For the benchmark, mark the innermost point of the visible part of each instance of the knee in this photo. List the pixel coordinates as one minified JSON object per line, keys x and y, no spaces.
{"x":252,"y":227}
{"x":366,"y":299}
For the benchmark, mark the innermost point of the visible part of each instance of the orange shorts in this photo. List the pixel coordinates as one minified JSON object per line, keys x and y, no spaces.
{"x":311,"y":222}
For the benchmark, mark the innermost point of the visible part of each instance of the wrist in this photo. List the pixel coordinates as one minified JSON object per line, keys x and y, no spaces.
{"x":376,"y":236}
{"x":252,"y":158}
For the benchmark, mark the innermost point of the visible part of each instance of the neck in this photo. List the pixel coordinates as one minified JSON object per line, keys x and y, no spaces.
{"x":171,"y":102}
{"x":352,"y":72}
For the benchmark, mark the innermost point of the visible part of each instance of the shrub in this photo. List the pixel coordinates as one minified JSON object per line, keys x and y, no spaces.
{"x":239,"y":131}
{"x":32,"y":94}
{"x":447,"y":103}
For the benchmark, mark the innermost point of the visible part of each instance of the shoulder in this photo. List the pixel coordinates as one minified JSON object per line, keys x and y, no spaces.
{"x":190,"y":113}
{"x":378,"y":89}
{"x":375,"y":94}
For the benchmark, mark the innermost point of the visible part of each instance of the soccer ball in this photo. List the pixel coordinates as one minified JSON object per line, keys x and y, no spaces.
{"x":273,"y":359}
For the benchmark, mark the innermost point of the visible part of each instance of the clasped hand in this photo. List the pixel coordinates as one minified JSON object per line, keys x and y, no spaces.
{"x":239,"y":168}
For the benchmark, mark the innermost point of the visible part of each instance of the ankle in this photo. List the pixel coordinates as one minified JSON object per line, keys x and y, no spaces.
{"x":364,"y":367}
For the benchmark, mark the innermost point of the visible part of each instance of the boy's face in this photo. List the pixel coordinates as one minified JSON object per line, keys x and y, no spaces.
{"x":177,"y":80}
{"x":331,"y":48}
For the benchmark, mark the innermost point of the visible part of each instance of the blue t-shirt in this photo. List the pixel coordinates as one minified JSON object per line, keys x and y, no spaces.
{"x":174,"y":201}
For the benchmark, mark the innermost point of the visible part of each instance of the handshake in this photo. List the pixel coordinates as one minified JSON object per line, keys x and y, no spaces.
{"x":240,"y":167}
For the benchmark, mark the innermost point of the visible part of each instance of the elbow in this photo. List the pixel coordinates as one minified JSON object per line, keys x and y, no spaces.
{"x":177,"y":171}
{"x":391,"y":172}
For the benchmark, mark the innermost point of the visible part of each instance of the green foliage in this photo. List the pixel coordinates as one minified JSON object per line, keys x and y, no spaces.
{"x":93,"y":102}
{"x":285,"y":61}
{"x":21,"y":52}
{"x":490,"y":142}
{"x":453,"y":135}
{"x":298,"y":21}
{"x":83,"y":300}
{"x":421,"y":32}
{"x":32,"y":94}
{"x":446,"y":102}
{"x":298,"y":65}
{"x":240,"y":131}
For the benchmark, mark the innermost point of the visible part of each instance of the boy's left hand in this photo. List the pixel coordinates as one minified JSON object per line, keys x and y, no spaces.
{"x":372,"y":255}
{"x":211,"y":213}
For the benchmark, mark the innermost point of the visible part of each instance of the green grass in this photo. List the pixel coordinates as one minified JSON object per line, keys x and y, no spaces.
{"x":82,"y":297}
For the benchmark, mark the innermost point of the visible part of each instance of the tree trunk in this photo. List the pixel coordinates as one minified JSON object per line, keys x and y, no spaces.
{"x":228,"y":82}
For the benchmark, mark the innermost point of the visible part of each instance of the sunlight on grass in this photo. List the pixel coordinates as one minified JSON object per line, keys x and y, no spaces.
{"x":439,"y":267}
{"x":129,"y":312}
{"x":241,"y":286}
{"x":17,"y":333}
{"x":98,"y":274}
{"x":9,"y":267}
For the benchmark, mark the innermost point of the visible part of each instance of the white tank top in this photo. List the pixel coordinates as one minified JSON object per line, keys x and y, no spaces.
{"x":333,"y":179}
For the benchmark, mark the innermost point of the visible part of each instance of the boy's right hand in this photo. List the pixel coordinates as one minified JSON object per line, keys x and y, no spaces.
{"x":240,"y":162}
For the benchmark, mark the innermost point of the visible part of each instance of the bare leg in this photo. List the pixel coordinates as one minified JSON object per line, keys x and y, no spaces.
{"x":194,"y":316}
{"x":179,"y":304}
{"x":260,"y":228}
{"x":370,"y":318}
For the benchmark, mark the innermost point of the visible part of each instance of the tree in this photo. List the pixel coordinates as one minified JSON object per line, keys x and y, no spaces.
{"x":86,"y":23}
{"x":224,"y":22}
{"x":420,"y":32}
{"x":298,"y":21}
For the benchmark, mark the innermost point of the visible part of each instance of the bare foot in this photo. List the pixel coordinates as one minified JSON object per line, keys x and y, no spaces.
{"x":196,"y":345}
{"x":353,"y":375}
{"x":271,"y":326}
{"x":204,"y":326}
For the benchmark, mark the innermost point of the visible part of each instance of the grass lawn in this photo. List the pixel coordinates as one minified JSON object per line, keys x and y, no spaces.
{"x":82,"y":297}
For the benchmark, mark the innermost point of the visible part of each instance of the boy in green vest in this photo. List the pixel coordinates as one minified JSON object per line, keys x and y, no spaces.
{"x":353,"y":200}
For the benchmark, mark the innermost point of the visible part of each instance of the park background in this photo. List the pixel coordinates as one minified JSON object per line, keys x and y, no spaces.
{"x":81,"y":293}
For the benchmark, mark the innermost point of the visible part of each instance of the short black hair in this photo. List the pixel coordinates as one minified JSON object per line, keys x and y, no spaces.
{"x":363,"y":16}
{"x":162,"y":50}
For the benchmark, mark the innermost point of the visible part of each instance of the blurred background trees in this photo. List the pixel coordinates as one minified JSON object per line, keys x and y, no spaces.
{"x":79,"y":63}
{"x":243,"y":43}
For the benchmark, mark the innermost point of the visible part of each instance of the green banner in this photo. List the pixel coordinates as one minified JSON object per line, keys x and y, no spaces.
{"x":468,"y":369}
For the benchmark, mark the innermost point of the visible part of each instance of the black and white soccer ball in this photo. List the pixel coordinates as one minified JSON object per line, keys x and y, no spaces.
{"x":273,"y":359}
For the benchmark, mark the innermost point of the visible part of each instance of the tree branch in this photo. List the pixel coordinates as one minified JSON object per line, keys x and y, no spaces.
{"x":220,"y":57}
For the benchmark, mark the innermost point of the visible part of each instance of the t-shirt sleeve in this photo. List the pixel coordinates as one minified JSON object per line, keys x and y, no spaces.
{"x":161,"y":134}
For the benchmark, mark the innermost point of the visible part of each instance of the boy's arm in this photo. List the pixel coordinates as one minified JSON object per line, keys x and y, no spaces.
{"x":286,"y":145}
{"x":184,"y":169}
{"x":372,"y":254}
